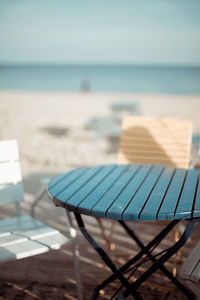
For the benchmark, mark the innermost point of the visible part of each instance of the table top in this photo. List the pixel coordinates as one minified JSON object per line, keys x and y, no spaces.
{"x":129,"y":192}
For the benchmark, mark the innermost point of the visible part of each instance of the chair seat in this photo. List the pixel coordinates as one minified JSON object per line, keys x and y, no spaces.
{"x":25,"y":236}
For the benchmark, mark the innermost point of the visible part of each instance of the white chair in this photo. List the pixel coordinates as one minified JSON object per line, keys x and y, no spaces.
{"x":24,"y":236}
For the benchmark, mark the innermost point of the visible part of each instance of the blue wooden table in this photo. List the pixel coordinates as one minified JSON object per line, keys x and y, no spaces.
{"x":131,"y":193}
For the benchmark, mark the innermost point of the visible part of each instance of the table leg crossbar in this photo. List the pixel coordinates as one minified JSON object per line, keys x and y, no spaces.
{"x":130,"y":288}
{"x":158,"y":263}
{"x":155,"y":242}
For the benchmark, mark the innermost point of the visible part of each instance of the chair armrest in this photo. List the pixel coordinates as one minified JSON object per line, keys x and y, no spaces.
{"x":40,"y":194}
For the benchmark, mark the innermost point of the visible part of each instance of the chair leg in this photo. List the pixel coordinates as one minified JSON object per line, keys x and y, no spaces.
{"x":75,"y":250}
{"x":110,"y":247}
{"x":178,"y":253}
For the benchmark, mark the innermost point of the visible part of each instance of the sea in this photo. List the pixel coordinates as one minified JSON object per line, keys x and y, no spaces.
{"x":102,"y":78}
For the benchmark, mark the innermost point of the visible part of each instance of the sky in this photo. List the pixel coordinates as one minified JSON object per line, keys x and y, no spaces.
{"x":100,"y":31}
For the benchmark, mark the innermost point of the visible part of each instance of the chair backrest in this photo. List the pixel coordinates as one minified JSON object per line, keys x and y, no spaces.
{"x":155,"y":140}
{"x":11,"y":186}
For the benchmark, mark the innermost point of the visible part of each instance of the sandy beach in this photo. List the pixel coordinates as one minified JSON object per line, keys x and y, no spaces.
{"x":51,"y":127}
{"x":53,"y":137}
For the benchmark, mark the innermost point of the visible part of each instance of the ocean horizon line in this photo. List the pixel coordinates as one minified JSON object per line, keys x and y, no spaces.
{"x":74,"y":64}
{"x":120,"y":78}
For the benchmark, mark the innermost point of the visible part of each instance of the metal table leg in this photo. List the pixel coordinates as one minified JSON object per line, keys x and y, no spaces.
{"x":158,"y":263}
{"x":132,"y":234}
{"x":106,"y":259}
{"x":145,"y":250}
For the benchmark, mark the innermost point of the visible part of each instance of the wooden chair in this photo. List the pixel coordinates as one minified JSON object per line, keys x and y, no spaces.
{"x":189,"y":272}
{"x":24,"y":236}
{"x":153,"y":140}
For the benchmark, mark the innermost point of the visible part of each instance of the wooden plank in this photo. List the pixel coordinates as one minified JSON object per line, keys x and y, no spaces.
{"x":22,"y":250}
{"x":54,"y":241}
{"x":104,"y":187}
{"x":13,"y":221}
{"x":195,"y":275}
{"x":185,"y":204}
{"x":58,"y":179}
{"x":196,"y":211}
{"x":137,"y":133}
{"x":59,"y":183}
{"x":153,"y":151}
{"x":10,"y":172}
{"x":11,"y":239}
{"x":2,"y":234}
{"x":149,"y":211}
{"x":140,"y":142}
{"x":119,"y":205}
{"x":127,"y":158}
{"x":9,"y":150}
{"x":19,"y":223}
{"x":132,"y":212}
{"x":88,"y":187}
{"x":190,"y":263}
{"x":12,"y":193}
{"x":172,"y":126}
{"x":100,"y":208}
{"x":38,"y":232}
{"x":70,"y":188}
{"x":168,"y":206}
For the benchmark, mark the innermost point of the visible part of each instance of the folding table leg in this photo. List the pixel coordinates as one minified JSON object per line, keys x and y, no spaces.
{"x":132,"y":234}
{"x":106,"y":259}
{"x":146,"y":249}
{"x":159,"y":263}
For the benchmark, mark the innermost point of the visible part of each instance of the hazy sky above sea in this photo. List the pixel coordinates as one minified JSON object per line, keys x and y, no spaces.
{"x":100,"y":31}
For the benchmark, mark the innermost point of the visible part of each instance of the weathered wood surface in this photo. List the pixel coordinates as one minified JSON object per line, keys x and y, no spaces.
{"x":130,"y":192}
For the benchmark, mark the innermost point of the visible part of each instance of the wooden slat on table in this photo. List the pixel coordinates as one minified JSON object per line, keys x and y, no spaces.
{"x":78,"y":183}
{"x":196,"y":211}
{"x":130,"y":192}
{"x":99,"y":210}
{"x":134,"y":208}
{"x":169,"y":204}
{"x":185,"y":204}
{"x":121,"y":202}
{"x":103,"y":187}
{"x":151,"y":207}
{"x":59,"y":184}
{"x":84,"y":190}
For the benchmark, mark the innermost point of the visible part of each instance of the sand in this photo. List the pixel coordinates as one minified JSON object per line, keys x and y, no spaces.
{"x":50,"y":127}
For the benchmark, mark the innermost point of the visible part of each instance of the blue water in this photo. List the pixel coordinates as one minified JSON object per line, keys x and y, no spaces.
{"x":103,"y":78}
